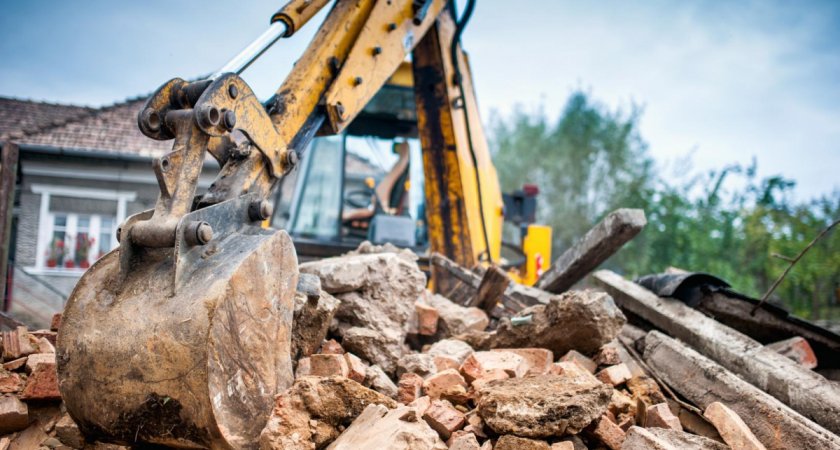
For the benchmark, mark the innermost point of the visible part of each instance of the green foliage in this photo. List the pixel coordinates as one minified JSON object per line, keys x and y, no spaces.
{"x":728,"y":222}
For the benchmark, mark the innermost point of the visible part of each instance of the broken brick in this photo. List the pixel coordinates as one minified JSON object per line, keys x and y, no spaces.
{"x":304,"y":367}
{"x":798,"y":349}
{"x":606,"y":431}
{"x":615,"y":375}
{"x":17,"y":343}
{"x":15,"y":364}
{"x":577,"y":357}
{"x":732,"y":428}
{"x":410,"y":387}
{"x":607,"y":356}
{"x":537,"y":360}
{"x":36,"y":359}
{"x":427,"y":319}
{"x":42,"y":384}
{"x":331,"y":347}
{"x":55,"y":323}
{"x":444,"y":418}
{"x":573,"y":370}
{"x":328,"y":365}
{"x":10,"y":382}
{"x":356,"y":368}
{"x":421,"y":404}
{"x":660,"y":416}
{"x":463,"y":440}
{"x":479,"y":363}
{"x":446,"y":384}
{"x":444,"y":362}
{"x":486,"y":377}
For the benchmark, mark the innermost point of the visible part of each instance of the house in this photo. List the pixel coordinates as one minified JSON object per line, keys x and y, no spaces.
{"x":81,"y":172}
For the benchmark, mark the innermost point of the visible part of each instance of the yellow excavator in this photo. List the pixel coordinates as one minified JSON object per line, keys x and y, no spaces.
{"x":181,"y":335}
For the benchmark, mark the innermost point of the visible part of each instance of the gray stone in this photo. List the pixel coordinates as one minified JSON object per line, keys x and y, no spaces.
{"x":312,"y":319}
{"x":456,"y":319}
{"x":638,"y":438}
{"x":422,"y":364}
{"x":14,"y":415}
{"x":451,"y":348}
{"x":379,"y":381}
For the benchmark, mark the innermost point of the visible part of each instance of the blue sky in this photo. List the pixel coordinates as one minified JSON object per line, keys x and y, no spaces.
{"x":721,"y":81}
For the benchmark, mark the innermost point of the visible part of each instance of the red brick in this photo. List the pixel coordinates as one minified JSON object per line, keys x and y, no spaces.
{"x":583,"y":361}
{"x":331,"y":347}
{"x":421,"y":404}
{"x":444,"y":362}
{"x":42,"y":384}
{"x":797,"y":349}
{"x":427,"y":319}
{"x":327,"y":365}
{"x":732,"y":428}
{"x":475,"y":424}
{"x":607,"y":432}
{"x":448,"y":384}
{"x":444,"y":418}
{"x":356,"y":368}
{"x":410,"y":387}
{"x":479,"y":363}
{"x":36,"y":359}
{"x":607,"y":356}
{"x":10,"y":382}
{"x":538,"y":360}
{"x":660,"y":416}
{"x":17,"y":343}
{"x":615,"y":375}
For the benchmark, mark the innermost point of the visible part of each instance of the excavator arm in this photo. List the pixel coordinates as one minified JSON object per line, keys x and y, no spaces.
{"x":181,"y":335}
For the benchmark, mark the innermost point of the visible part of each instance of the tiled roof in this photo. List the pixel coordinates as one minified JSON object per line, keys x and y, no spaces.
{"x":111,"y":129}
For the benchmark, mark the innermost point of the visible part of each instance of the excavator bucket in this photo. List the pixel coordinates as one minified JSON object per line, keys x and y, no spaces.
{"x":182,"y":346}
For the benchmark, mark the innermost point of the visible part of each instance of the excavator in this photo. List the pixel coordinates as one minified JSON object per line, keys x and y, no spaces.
{"x":181,"y":335}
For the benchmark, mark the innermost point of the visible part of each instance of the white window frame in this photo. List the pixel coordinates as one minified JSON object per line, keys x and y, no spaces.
{"x":46,"y":220}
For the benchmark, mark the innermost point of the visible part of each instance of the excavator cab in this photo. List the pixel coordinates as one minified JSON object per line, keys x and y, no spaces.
{"x":366,"y":183}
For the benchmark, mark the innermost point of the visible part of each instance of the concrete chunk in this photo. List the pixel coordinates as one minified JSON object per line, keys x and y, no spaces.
{"x":378,"y":428}
{"x":542,"y":406}
{"x":511,"y":442}
{"x":660,"y":416}
{"x":638,"y":438}
{"x":14,"y":414}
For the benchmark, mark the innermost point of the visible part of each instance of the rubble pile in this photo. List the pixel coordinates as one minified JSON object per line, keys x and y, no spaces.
{"x":380,"y":362}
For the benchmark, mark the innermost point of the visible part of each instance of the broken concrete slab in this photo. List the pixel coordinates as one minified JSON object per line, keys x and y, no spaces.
{"x":379,"y":381}
{"x":310,"y":411}
{"x":377,"y":427}
{"x":451,"y":348}
{"x":456,"y":319}
{"x":373,"y":346}
{"x":422,"y":364}
{"x":588,"y":252}
{"x":312,"y":318}
{"x":801,"y":389}
{"x":542,"y":406}
{"x":638,"y":438}
{"x":703,"y":382}
{"x":575,"y":320}
{"x":731,"y":428}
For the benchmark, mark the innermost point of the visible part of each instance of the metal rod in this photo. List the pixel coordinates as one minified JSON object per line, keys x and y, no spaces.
{"x":253,"y":51}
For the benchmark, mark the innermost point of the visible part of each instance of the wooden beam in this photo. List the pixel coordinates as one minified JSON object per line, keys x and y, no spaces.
{"x":595,"y":247}
{"x":703,"y":382}
{"x":801,"y":389}
{"x":491,"y":289}
{"x":8,"y":176}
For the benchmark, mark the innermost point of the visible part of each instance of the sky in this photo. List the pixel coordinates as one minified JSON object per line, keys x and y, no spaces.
{"x":720,"y":81}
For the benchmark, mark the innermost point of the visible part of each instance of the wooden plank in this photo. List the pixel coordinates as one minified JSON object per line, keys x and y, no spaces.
{"x":595,"y":247}
{"x":803,"y":390}
{"x":491,"y":289}
{"x":703,"y":382}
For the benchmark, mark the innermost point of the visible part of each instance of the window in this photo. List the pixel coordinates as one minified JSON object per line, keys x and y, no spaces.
{"x":76,"y":227}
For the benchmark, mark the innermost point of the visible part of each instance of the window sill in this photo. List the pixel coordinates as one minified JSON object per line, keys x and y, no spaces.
{"x":75,"y":272}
